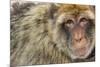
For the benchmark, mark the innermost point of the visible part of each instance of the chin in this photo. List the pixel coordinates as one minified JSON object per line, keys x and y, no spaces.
{"x":81,"y":53}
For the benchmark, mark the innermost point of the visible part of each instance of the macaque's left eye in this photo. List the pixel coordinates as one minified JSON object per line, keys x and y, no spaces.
{"x":69,"y":23}
{"x":83,"y":21}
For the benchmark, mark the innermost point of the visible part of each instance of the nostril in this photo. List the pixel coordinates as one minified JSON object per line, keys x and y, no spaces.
{"x":78,"y":40}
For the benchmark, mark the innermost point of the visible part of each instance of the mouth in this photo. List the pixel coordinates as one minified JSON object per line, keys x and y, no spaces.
{"x":81,"y":49}
{"x":81,"y":52}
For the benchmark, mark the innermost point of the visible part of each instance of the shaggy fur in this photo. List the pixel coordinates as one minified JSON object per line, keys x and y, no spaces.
{"x":30,"y":43}
{"x":31,"y":38}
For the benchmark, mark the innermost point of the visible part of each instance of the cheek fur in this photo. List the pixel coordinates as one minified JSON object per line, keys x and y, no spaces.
{"x":90,"y":30}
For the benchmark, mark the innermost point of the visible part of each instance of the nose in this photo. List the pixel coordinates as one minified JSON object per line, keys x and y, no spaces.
{"x":78,"y":37}
{"x":78,"y":34}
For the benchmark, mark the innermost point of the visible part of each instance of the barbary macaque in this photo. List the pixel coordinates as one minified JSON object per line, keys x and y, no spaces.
{"x":52,"y":33}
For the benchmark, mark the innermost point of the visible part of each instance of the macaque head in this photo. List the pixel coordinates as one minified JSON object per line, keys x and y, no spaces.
{"x":74,"y":30}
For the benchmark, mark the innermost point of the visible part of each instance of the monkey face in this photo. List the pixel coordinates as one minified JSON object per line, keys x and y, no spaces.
{"x":80,"y":45}
{"x":76,"y":33}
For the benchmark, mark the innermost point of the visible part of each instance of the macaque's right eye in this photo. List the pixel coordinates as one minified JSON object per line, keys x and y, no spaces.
{"x":69,"y":23}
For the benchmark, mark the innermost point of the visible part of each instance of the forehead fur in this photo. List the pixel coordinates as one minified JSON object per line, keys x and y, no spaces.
{"x":76,"y":10}
{"x":73,"y":8}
